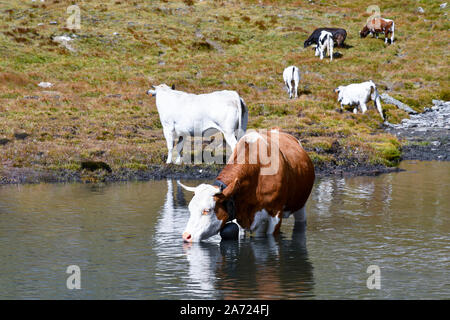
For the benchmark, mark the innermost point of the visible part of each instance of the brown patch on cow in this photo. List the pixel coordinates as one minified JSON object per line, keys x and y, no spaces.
{"x":287,"y":189}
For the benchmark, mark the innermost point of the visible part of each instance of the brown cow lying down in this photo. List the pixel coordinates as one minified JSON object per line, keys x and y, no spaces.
{"x":379,"y":25}
{"x":268,"y":177}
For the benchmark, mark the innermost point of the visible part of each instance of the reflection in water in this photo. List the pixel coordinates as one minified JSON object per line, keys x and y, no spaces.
{"x":126,"y":238}
{"x":250,"y":268}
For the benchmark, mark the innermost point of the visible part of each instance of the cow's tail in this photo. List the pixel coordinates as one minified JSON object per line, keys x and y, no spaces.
{"x":330,"y":47}
{"x":243,"y":118}
{"x":393,"y":31}
{"x":375,"y":96}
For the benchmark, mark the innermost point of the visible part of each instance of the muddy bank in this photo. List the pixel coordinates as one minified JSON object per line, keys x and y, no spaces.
{"x":157,"y":172}
{"x":425,"y":136}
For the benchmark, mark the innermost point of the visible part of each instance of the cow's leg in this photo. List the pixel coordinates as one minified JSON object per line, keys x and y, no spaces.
{"x":296,"y":89}
{"x":274,"y":224}
{"x":180,"y":144}
{"x":363,"y":107}
{"x":342,"y":108}
{"x":300,"y":222}
{"x":168,"y":134}
{"x":287,"y":87}
{"x":355,"y":110}
{"x":230,"y":139}
{"x":259,"y":224}
{"x":300,"y":215}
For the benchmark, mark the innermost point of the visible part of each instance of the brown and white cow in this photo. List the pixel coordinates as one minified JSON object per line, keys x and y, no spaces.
{"x":379,"y":25}
{"x":268,"y":177}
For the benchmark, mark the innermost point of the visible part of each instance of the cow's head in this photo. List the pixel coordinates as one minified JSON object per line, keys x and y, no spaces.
{"x":338,"y":91}
{"x":307,"y":43}
{"x":208,"y":214}
{"x":160,"y":87}
{"x":364,"y":32}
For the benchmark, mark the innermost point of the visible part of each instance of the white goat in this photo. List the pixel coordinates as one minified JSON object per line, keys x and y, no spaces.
{"x":291,"y":77}
{"x":359,"y":94}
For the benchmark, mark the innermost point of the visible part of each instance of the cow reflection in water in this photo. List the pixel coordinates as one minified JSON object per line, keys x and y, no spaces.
{"x":262,"y":268}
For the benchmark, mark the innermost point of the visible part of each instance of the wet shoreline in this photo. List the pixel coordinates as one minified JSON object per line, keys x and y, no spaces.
{"x":158,"y":172}
{"x":424,"y":137}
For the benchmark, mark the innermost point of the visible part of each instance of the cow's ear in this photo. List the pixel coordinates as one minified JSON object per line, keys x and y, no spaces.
{"x":173,"y":87}
{"x":231,"y":189}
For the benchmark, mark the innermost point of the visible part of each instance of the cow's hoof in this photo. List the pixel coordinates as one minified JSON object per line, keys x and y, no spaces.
{"x":230,"y":231}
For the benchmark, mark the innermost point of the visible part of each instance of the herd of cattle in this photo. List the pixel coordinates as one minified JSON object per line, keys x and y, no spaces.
{"x":241,"y":193}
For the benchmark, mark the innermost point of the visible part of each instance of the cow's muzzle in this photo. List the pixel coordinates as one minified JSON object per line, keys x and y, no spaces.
{"x":187,"y":237}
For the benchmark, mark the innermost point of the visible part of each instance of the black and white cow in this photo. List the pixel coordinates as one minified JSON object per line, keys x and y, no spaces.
{"x":339,"y":36}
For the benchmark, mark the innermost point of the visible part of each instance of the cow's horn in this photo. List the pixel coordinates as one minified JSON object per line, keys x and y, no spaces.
{"x":192,"y":189}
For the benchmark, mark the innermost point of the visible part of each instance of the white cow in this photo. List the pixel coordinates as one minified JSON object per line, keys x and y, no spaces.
{"x":359,"y":94}
{"x":325,"y":42}
{"x":291,"y":77}
{"x":185,"y":114}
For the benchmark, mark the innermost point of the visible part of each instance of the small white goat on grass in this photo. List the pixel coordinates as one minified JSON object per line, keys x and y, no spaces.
{"x":291,"y":77}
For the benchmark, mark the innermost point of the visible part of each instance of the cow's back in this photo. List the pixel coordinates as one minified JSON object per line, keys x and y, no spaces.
{"x":187,"y":109}
{"x":298,"y":172}
{"x":292,"y":183}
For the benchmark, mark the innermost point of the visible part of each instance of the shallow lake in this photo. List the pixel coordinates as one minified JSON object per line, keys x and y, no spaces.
{"x":126,"y":240}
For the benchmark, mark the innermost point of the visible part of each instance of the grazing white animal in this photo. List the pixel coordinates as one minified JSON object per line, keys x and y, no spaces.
{"x":185,"y":114}
{"x":291,"y":77}
{"x":325,"y":42}
{"x":359,"y":94}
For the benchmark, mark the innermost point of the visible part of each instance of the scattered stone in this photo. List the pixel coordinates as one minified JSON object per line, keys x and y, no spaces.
{"x":64,"y":41}
{"x":117,"y":95}
{"x":420,"y":10}
{"x":53,"y":22}
{"x":21,"y":136}
{"x":438,"y":116}
{"x":443,"y":5}
{"x":389,"y":100}
{"x":4,"y":141}
{"x":95,"y":165}
{"x":45,"y":84}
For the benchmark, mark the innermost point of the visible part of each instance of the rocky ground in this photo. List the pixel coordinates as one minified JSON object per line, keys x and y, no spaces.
{"x":426,"y":136}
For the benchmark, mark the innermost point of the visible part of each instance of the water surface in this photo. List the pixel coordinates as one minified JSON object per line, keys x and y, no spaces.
{"x":126,"y":239}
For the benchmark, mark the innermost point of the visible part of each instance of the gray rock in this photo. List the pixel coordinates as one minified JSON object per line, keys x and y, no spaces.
{"x":389,"y":100}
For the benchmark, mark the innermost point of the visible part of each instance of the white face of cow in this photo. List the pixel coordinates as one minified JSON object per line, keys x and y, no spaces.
{"x":160,"y":87}
{"x":203,"y":222}
{"x":339,"y":92}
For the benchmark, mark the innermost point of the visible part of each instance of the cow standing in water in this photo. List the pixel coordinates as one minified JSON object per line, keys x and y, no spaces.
{"x":185,"y":114}
{"x":256,"y":192}
{"x":291,"y":77}
{"x":379,"y":25}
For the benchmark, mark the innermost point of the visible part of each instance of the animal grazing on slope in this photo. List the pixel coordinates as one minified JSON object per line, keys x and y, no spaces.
{"x":379,"y":25}
{"x":291,"y":77}
{"x":359,"y":94}
{"x":339,"y":36}
{"x":246,"y":192}
{"x":185,"y":114}
{"x":325,"y":42}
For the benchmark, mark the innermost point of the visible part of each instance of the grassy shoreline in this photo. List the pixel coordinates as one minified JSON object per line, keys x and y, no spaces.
{"x":97,"y":108}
